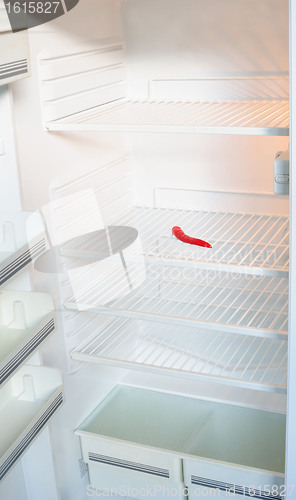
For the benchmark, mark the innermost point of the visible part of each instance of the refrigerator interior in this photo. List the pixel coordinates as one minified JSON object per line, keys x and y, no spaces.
{"x":139,"y":116}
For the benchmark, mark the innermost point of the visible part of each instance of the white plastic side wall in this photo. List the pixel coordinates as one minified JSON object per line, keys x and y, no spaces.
{"x":9,"y":185}
{"x":57,"y":158}
{"x":50,"y":157}
{"x":291,"y":400}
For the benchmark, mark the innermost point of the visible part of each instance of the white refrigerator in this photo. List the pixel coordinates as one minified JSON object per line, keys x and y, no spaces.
{"x":148,"y":294}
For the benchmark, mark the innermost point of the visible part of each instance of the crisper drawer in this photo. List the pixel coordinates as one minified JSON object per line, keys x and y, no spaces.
{"x":164,"y":439}
{"x":130,"y":485}
{"x":135,"y":435}
{"x":121,"y":465}
{"x":205,"y":478}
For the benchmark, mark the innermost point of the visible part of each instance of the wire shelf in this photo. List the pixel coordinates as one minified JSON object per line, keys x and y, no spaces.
{"x":253,"y":117}
{"x":250,"y":362}
{"x":241,"y":242}
{"x":244,"y":243}
{"x":218,"y":313}
{"x":229,"y":302}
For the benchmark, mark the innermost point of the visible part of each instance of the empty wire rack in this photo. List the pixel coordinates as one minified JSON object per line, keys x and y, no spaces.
{"x":252,"y":362}
{"x":254,"y":117}
{"x":230,"y":302}
{"x":219,"y":313}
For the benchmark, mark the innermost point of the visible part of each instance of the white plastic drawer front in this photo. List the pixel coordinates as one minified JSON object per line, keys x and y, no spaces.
{"x":204,"y":478}
{"x":121,"y":483}
{"x":135,"y":461}
{"x":163,"y":438}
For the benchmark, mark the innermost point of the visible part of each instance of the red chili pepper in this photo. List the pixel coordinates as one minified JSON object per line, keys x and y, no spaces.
{"x":180,"y":235}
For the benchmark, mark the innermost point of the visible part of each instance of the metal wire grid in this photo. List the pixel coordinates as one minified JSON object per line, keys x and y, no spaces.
{"x":269,"y":117}
{"x":239,"y":240}
{"x":230,"y":302}
{"x":241,"y":360}
{"x":242,"y":242}
{"x":239,"y":320}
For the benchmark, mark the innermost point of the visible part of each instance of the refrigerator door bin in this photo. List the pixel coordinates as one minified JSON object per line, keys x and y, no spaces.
{"x":135,"y":426}
{"x":27,"y":402}
{"x":22,"y":239}
{"x":27,"y":319}
{"x":14,"y":51}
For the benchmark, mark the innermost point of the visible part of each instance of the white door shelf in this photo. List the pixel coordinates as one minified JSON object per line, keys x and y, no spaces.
{"x":14,"y":51}
{"x":134,"y":429}
{"x":22,"y":239}
{"x":225,"y":358}
{"x":242,"y":242}
{"x":220,"y":301}
{"x":27,"y":402}
{"x":251,"y":117}
{"x":26,"y":320}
